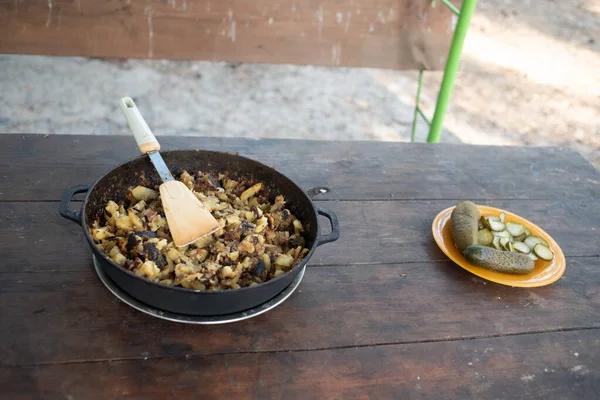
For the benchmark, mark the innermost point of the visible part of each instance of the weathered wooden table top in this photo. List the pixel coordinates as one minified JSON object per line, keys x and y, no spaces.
{"x":381,"y":313}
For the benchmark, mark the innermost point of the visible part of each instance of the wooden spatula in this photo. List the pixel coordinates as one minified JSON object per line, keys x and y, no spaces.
{"x":187,"y":217}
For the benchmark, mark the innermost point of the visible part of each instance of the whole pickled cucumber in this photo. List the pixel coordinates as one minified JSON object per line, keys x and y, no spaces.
{"x":464,"y":223}
{"x":498,"y":260}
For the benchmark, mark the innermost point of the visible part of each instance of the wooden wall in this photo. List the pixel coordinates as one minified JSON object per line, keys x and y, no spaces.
{"x":398,"y":34}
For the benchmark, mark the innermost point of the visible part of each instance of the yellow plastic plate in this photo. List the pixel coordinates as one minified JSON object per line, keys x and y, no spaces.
{"x":544,"y":272}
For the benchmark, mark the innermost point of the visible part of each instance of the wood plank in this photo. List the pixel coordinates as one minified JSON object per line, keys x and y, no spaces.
{"x":71,"y":317}
{"x":560,"y":365}
{"x":397,"y":231}
{"x":400,"y":34}
{"x":34,"y":167}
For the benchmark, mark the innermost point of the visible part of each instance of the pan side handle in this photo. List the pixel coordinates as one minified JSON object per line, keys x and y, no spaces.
{"x":64,"y":209}
{"x":335,"y":227}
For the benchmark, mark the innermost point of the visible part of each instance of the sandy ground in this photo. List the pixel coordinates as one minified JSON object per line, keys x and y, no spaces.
{"x":530,"y":75}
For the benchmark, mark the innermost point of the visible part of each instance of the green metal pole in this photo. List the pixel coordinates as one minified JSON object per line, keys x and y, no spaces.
{"x":418,"y":98}
{"x":451,"y":6}
{"x":454,"y":55}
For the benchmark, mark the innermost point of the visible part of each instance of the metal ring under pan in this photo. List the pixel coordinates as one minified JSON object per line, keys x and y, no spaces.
{"x":192,"y":319}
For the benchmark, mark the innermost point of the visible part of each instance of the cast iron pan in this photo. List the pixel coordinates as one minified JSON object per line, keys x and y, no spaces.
{"x":114,"y":185}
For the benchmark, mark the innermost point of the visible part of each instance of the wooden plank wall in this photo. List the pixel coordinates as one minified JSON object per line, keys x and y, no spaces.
{"x":397,"y":34}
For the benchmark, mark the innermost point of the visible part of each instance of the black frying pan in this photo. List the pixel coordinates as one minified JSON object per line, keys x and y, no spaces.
{"x":114,"y":185}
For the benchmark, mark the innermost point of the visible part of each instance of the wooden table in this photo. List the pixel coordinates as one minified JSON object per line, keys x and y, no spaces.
{"x":381,"y":313}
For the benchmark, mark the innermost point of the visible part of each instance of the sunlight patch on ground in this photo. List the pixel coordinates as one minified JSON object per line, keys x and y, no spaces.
{"x":556,"y":67}
{"x":593,"y":6}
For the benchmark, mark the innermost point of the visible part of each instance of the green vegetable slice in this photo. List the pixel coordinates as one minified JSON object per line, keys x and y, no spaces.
{"x":485,"y":237}
{"x":502,"y":234}
{"x":515,"y":229}
{"x":543,"y":252}
{"x":531,"y":241}
{"x":497,"y":226}
{"x":496,"y":243}
{"x":521,"y":247}
{"x":502,"y":217}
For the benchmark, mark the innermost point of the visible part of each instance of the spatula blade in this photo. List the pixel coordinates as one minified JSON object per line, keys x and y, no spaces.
{"x":188,"y":218}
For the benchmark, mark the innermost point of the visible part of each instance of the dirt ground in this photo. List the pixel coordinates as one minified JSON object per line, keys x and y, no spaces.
{"x":530,"y":75}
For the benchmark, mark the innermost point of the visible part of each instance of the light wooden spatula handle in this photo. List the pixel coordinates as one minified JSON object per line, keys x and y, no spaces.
{"x":144,"y":137}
